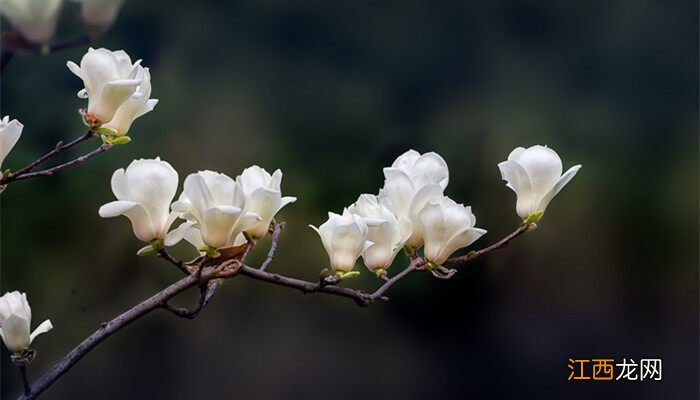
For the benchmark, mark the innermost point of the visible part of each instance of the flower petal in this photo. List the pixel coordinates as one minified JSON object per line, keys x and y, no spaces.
{"x":42,"y":328}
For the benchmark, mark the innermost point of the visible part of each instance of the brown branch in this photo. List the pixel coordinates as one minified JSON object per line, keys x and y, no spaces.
{"x":172,"y":260}
{"x":109,"y":328}
{"x":208,"y":277}
{"x":13,"y":42}
{"x":206,"y":292}
{"x":25,"y":379}
{"x":50,"y":171}
{"x":57,"y":149}
{"x":498,"y":245}
{"x":276,"y":230}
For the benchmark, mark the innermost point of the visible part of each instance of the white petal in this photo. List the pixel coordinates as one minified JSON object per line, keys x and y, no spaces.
{"x":176,"y":235}
{"x":568,"y":175}
{"x":543,"y":166}
{"x":15,"y":333}
{"x":42,"y":328}
{"x":116,"y":208}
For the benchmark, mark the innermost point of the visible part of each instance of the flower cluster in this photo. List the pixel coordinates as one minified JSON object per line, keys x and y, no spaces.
{"x":36,"y":20}
{"x":218,"y":211}
{"x":409,"y":212}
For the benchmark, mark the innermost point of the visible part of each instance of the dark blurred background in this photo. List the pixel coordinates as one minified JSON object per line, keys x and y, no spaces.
{"x":330,"y":92}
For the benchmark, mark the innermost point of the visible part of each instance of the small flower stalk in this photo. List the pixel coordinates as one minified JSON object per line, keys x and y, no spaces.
{"x":535,"y":175}
{"x":15,"y":323}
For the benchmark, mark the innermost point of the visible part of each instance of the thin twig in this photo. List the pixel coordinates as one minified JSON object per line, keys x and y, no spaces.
{"x":50,"y":171}
{"x":207,"y":276}
{"x":205,"y":294}
{"x":172,"y":260}
{"x":273,"y":246}
{"x":57,"y":149}
{"x":68,"y":43}
{"x":25,"y":379}
{"x":109,"y":328}
{"x":498,"y":245}
{"x":13,"y":42}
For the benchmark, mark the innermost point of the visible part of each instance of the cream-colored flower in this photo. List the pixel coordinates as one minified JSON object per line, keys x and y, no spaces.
{"x":15,"y":322}
{"x":345,"y":238}
{"x":34,"y":19}
{"x":110,"y":79}
{"x":144,"y":192}
{"x":214,"y":205}
{"x":534,"y":174}
{"x":264,"y":197}
{"x":446,"y":227}
{"x":10,"y":131}
{"x":387,"y":233}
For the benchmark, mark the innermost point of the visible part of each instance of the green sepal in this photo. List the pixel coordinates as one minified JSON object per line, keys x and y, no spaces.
{"x":210,"y":251}
{"x":115,"y":140}
{"x":534,"y":217}
{"x":379,"y":272}
{"x":346,"y":275}
{"x":146,"y":251}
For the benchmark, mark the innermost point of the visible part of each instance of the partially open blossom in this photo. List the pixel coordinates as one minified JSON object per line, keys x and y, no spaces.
{"x":411,"y":181}
{"x":144,"y":192}
{"x":423,"y":169}
{"x":100,"y":14}
{"x":446,"y":227}
{"x":385,"y":231}
{"x":535,"y":175}
{"x":135,"y":106}
{"x":406,"y":198}
{"x":15,"y":322}
{"x":34,"y":19}
{"x":110,"y":79}
{"x":10,"y":131}
{"x":264,"y":197}
{"x":216,"y":206}
{"x":345,"y":238}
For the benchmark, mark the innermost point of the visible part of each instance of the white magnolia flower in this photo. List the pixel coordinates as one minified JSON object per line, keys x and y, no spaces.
{"x":446,"y":227}
{"x":385,"y":231}
{"x":144,"y":192}
{"x":135,"y":106}
{"x":10,"y":131}
{"x":534,"y":174}
{"x":110,"y":79}
{"x":15,"y":322}
{"x":264,"y":197}
{"x":214,"y":205}
{"x":411,"y":181}
{"x":426,"y":169}
{"x":345,"y":238}
{"x":35,"y":19}
{"x":100,"y":13}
